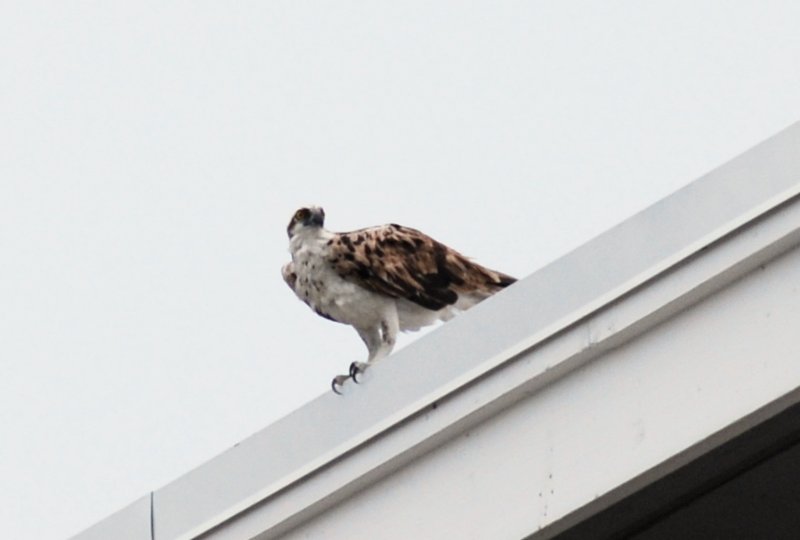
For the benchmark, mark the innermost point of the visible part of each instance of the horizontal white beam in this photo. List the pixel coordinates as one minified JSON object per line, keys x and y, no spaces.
{"x":512,"y":349}
{"x":131,"y":523}
{"x":536,"y":308}
{"x":534,"y":370}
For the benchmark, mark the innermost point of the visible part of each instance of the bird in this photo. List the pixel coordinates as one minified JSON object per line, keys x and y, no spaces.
{"x":380,"y":280}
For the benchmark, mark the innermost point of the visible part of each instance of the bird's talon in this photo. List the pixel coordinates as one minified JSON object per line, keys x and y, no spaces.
{"x":356,"y":368}
{"x":338,"y":381}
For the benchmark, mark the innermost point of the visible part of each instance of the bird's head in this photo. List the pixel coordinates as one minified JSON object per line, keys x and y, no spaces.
{"x":306,"y":218}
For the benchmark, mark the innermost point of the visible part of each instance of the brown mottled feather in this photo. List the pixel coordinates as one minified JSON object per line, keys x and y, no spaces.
{"x":402,"y":262}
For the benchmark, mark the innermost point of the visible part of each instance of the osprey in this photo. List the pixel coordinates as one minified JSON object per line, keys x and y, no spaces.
{"x":380,"y":280}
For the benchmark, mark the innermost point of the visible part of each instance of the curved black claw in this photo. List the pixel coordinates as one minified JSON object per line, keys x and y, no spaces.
{"x":356,"y":368}
{"x":338,"y":382}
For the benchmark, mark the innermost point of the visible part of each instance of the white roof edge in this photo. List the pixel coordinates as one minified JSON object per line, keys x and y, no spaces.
{"x":547,"y":302}
{"x":131,"y":523}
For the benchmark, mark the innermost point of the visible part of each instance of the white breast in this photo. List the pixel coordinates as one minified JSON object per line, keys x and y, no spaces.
{"x":319,"y":286}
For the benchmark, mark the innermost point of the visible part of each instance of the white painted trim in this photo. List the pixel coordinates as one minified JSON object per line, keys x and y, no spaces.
{"x":716,"y":216}
{"x":508,"y":347}
{"x":542,"y":364}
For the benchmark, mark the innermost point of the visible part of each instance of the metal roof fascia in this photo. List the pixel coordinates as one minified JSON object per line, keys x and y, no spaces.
{"x":550,"y":300}
{"x":735,"y":256}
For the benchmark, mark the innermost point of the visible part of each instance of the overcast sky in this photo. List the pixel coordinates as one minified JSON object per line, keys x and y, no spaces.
{"x":152,"y":154}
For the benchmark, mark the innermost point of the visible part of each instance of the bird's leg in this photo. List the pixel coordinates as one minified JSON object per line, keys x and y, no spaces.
{"x":380,"y":342}
{"x":372,"y":339}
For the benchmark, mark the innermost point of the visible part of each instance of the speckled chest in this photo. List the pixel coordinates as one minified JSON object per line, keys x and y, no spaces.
{"x":313,"y":274}
{"x":326,"y":292}
{"x":318,"y":284}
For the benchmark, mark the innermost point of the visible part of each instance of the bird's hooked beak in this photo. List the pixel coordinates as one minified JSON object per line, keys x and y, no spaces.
{"x":317,"y":217}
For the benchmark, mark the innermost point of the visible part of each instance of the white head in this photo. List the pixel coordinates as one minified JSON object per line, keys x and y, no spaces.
{"x":306,"y":218}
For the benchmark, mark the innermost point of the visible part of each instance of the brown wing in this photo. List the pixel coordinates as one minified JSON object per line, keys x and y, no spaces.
{"x":404,"y":263}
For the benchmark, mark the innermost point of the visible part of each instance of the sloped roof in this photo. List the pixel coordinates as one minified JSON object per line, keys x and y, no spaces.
{"x":401,"y":402}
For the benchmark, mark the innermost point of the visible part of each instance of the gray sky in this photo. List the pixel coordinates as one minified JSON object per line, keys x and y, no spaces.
{"x":152,"y":153}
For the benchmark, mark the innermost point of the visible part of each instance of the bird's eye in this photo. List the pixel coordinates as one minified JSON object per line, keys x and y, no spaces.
{"x":300,"y":214}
